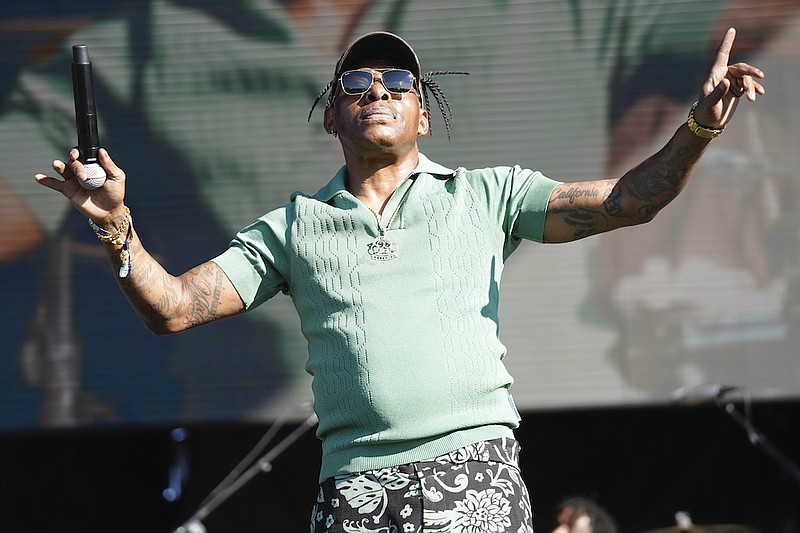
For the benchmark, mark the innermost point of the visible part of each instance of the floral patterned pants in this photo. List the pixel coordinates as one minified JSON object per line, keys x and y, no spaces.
{"x":476,"y":489}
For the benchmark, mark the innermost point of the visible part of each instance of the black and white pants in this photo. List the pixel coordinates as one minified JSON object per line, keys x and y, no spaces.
{"x":476,"y":489}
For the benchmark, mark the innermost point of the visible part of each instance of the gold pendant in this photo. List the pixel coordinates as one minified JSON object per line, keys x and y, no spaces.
{"x":382,"y":248}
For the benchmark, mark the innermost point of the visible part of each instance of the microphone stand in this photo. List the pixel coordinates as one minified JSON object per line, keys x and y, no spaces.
{"x":238,"y":478}
{"x":758,"y":439}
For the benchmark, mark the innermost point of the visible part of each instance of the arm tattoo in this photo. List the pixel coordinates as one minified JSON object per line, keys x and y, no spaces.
{"x":577,"y":192}
{"x":159,"y":297}
{"x":203,"y":287}
{"x":586,"y":208}
{"x":658,"y":180}
{"x":584,"y":220}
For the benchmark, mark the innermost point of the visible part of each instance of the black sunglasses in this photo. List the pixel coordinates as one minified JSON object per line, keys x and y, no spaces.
{"x":396,"y":80}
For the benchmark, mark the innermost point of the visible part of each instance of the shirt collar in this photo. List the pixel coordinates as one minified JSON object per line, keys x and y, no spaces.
{"x":337,"y":184}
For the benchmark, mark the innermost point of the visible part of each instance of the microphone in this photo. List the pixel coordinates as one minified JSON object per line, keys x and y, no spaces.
{"x":86,"y":117}
{"x":700,"y":394}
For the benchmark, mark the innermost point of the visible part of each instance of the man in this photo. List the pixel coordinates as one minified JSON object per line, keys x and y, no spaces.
{"x":394,"y":268}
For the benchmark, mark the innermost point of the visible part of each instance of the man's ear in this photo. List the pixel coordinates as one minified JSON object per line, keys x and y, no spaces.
{"x":424,"y":125}
{"x":328,"y":122}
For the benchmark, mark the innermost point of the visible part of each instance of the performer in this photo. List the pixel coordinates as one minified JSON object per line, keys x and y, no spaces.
{"x":394,"y":267}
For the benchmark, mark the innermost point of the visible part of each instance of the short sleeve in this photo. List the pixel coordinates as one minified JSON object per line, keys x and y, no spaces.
{"x":256,"y":261}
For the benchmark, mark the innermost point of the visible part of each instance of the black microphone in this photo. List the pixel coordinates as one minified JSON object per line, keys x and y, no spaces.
{"x":700,"y":394}
{"x":86,"y":117}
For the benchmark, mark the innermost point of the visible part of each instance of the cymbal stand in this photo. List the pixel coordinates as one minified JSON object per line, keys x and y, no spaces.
{"x":241,"y":474}
{"x":757,"y":438}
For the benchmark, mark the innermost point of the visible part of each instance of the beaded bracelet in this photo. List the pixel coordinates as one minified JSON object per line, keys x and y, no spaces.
{"x":121,"y":236}
{"x":697,"y":129}
{"x":125,"y":254}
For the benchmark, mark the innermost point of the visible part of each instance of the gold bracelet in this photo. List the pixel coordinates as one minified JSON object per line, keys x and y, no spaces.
{"x":121,"y":236}
{"x":700,"y":131}
{"x":116,"y":237}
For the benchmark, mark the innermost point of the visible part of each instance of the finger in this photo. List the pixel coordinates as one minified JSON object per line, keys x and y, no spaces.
{"x":748,"y":87}
{"x":62,"y":169}
{"x":754,"y":90}
{"x":743,"y":69}
{"x":64,"y":186}
{"x":718,"y":92}
{"x":743,"y":78}
{"x":74,"y":167}
{"x":724,"y":50}
{"x":56,"y":184}
{"x":738,"y":86}
{"x":78,"y":168}
{"x":49,"y":182}
{"x":107,"y":163}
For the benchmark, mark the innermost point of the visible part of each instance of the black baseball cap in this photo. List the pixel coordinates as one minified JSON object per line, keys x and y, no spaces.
{"x":379,"y":45}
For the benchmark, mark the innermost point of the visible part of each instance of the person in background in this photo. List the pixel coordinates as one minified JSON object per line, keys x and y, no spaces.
{"x":578,"y":514}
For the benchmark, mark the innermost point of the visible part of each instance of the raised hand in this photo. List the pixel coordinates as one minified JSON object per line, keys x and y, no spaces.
{"x":725,"y":84}
{"x":103,"y":204}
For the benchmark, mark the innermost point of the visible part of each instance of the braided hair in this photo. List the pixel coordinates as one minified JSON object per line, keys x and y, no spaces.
{"x":426,"y":82}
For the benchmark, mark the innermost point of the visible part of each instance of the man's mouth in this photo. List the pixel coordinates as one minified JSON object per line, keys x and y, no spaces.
{"x":377,"y":112}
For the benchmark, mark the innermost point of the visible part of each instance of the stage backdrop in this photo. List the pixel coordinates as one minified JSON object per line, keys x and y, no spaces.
{"x":204,"y":104}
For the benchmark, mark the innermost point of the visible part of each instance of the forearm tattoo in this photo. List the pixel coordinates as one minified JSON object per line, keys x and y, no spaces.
{"x":656,"y":182}
{"x":160,"y":297}
{"x":635,"y":198}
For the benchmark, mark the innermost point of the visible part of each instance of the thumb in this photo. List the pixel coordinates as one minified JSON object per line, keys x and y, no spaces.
{"x":718,"y":92}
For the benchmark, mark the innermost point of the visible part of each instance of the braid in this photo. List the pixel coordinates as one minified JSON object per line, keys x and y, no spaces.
{"x":427,"y":83}
{"x":319,"y":97}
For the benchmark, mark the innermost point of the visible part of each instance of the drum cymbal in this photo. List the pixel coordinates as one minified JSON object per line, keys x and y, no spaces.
{"x":718,"y":528}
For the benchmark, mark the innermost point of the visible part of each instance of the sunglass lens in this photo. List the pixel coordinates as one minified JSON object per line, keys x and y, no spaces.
{"x":356,"y":81}
{"x":398,"y":80}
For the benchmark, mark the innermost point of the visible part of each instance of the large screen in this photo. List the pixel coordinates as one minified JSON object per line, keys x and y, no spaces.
{"x":205,"y":105}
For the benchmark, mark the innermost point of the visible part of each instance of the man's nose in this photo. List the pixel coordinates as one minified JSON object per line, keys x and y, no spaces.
{"x":378,"y":91}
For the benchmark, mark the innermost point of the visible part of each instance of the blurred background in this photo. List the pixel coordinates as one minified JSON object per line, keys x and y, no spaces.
{"x":104,"y":427}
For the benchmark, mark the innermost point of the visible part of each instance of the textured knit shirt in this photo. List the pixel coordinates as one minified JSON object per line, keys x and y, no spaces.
{"x":404,"y":352}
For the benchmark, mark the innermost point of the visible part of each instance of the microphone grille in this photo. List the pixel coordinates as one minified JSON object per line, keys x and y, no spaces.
{"x":95,"y":176}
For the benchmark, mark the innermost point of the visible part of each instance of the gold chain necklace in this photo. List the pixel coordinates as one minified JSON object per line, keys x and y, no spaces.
{"x":383,"y":247}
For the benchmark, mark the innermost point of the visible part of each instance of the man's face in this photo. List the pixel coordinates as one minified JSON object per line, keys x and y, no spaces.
{"x":377,"y":119}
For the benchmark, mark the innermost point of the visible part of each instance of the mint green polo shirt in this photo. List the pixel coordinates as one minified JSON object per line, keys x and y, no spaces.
{"x":404,"y":353}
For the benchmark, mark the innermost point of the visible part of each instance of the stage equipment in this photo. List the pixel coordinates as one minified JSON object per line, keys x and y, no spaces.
{"x":700,"y":394}
{"x":718,"y":528}
{"x":246,"y":469}
{"x":683,"y":524}
{"x":718,"y":393}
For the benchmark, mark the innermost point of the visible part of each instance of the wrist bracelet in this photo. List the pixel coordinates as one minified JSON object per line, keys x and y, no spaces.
{"x":700,"y":131}
{"x":121,"y":236}
{"x":125,"y":255}
{"x":115,"y":237}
